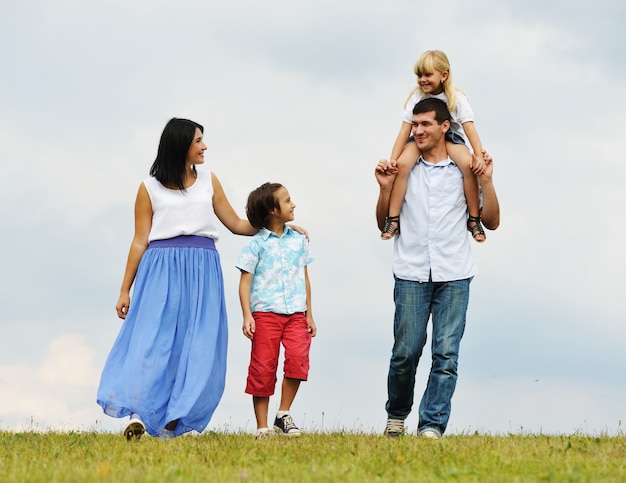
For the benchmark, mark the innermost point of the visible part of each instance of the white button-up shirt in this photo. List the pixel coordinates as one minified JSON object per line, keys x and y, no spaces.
{"x":433,"y":236}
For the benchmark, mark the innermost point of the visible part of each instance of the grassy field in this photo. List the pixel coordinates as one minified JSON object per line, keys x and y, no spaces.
{"x":92,"y":456}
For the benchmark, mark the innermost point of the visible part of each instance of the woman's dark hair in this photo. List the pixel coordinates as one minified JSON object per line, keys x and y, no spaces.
{"x":261,"y":202}
{"x":169,"y":165}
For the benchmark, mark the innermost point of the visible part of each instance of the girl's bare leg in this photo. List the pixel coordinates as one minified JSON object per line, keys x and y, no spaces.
{"x":405,"y":162}
{"x":463,"y":159}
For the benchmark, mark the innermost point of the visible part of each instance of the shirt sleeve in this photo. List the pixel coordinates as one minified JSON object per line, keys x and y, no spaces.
{"x":249,"y":257}
{"x":463,"y":112}
{"x":408,"y":109}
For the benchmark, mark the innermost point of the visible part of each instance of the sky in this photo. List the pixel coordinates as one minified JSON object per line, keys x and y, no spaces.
{"x":311,"y":95}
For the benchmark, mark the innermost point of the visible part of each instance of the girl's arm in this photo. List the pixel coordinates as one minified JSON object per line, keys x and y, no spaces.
{"x":143,"y":224}
{"x":398,"y":145}
{"x":309,"y":314}
{"x":245,"y":282}
{"x":478,"y":165}
{"x":225,"y":212}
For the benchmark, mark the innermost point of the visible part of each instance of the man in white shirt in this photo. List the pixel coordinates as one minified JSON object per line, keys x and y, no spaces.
{"x":433,"y":268}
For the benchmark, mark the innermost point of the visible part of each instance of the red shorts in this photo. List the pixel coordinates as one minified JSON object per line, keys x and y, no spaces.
{"x":271,"y":330}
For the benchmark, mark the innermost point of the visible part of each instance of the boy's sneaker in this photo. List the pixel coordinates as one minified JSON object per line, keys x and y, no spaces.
{"x":286,"y":426}
{"x":262,"y":434}
{"x":395,"y":427}
{"x":134,"y":430}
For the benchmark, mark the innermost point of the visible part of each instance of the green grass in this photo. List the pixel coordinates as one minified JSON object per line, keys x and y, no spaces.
{"x":339,"y":456}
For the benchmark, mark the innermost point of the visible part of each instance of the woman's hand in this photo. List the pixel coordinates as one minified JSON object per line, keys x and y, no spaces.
{"x":123,"y":304}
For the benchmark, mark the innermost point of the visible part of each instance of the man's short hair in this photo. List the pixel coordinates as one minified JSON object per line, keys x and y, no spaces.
{"x":431,"y":104}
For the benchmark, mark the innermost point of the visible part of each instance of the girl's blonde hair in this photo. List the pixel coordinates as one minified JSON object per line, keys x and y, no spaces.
{"x":429,"y":62}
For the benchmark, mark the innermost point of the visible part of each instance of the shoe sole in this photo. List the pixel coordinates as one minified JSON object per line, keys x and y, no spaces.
{"x":392,"y":434}
{"x":290,"y":435}
{"x":134,"y":430}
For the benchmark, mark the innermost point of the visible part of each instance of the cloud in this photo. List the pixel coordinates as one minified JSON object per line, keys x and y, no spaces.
{"x":56,"y":392}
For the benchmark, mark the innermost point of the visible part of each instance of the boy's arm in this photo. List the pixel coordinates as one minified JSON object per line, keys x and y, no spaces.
{"x":309,"y":314}
{"x":245,"y":282}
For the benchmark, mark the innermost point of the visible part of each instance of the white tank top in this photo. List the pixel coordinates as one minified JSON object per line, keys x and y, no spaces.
{"x":176,"y":212}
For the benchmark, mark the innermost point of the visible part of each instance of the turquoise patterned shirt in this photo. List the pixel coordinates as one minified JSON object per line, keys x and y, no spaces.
{"x":277,"y":268}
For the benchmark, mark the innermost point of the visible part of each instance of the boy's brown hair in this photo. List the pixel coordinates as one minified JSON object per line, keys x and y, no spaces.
{"x":261,"y":202}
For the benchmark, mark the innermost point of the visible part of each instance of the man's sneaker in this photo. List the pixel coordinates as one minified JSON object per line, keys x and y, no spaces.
{"x":430,"y":434}
{"x":167,"y":434}
{"x":395,"y":427}
{"x":134,"y":430}
{"x":286,"y":426}
{"x":262,"y":434}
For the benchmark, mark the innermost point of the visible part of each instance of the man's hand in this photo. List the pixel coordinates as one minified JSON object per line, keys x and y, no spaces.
{"x":385,"y":174}
{"x":479,"y":163}
{"x":490,"y":213}
{"x":487,"y":172}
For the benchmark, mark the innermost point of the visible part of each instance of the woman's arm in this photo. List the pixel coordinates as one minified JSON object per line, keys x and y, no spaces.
{"x":143,"y":224}
{"x":225,"y":212}
{"x":230,"y":219}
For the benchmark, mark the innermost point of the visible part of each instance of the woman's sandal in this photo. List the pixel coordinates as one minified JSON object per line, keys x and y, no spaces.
{"x":391,"y":228}
{"x":475,"y":227}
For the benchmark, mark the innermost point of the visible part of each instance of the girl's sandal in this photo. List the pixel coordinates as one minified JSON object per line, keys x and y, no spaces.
{"x":475,"y":227}
{"x":391,"y":228}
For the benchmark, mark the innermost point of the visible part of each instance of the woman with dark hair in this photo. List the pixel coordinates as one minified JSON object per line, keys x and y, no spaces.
{"x":167,"y":368}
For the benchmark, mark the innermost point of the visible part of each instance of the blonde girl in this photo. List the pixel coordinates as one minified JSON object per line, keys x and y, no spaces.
{"x":434,"y":79}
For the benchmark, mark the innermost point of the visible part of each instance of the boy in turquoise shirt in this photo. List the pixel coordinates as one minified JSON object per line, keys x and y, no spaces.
{"x":275,"y":296}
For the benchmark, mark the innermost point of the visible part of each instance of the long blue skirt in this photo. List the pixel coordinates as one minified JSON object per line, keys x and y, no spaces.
{"x":169,"y":359}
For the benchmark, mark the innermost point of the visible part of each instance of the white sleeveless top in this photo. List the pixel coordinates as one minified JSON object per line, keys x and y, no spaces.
{"x":176,"y":212}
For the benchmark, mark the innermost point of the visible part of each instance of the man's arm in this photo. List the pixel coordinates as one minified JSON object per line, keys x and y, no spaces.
{"x":385,"y":175}
{"x":490,"y":212}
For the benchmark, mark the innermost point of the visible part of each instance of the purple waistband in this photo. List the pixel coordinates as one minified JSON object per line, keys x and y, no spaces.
{"x":192,"y":241}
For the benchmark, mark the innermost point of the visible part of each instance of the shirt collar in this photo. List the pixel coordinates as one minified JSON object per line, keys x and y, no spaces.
{"x":265,"y":233}
{"x":445,"y":162}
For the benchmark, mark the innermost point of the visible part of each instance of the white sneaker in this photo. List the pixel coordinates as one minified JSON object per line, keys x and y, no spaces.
{"x":135,"y":429}
{"x":430,"y":434}
{"x":395,"y":427}
{"x":167,"y":434}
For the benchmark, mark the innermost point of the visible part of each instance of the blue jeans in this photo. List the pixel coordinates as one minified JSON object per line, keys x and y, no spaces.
{"x":415,"y":303}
